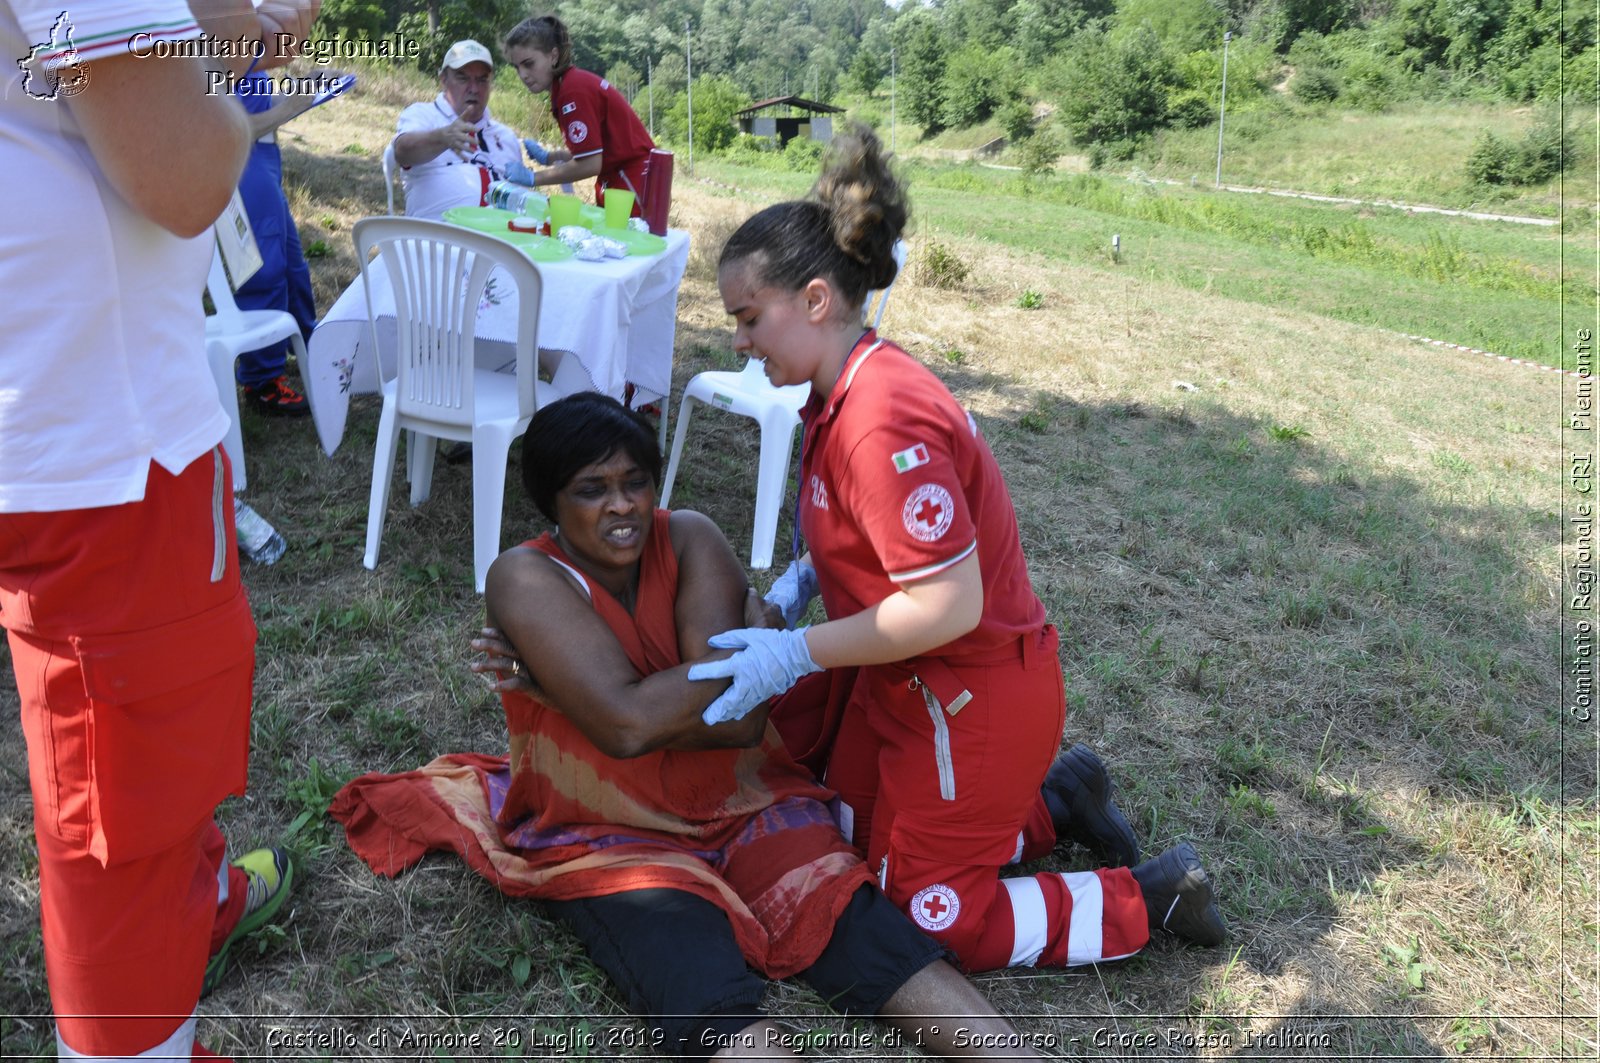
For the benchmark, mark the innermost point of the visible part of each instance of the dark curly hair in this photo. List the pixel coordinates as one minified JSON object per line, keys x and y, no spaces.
{"x":573,"y":433}
{"x":844,"y":230}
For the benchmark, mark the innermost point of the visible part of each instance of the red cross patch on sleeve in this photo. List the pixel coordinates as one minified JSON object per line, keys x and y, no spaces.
{"x":928,"y":512}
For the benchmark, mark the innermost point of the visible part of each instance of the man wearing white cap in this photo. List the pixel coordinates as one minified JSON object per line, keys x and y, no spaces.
{"x":450,"y":150}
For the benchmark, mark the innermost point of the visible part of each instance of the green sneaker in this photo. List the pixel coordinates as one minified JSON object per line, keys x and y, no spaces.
{"x":271,"y":874}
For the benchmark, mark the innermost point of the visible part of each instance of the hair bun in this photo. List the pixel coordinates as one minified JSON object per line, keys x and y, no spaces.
{"x":864,"y":201}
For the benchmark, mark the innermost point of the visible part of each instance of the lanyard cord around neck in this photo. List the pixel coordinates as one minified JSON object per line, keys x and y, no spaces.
{"x":794,"y":546}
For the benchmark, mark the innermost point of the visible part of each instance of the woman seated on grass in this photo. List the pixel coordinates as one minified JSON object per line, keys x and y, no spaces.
{"x":682,"y":855}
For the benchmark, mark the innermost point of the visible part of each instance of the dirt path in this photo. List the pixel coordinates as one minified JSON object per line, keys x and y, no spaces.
{"x":1413,"y":208}
{"x":1393,"y":204}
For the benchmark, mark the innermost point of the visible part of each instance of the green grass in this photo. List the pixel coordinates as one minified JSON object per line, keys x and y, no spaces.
{"x":1495,"y":286}
{"x":1413,"y":152}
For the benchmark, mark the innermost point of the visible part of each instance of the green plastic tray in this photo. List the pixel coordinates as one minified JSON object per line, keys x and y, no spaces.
{"x":492,"y":220}
{"x":637,"y":243}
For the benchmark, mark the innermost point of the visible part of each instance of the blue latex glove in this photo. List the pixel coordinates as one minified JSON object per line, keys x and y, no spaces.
{"x":792,"y":592}
{"x":519,"y":174}
{"x":768,"y":663}
{"x":537,"y":152}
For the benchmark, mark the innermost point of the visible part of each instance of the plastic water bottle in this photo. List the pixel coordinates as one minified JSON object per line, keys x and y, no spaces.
{"x":509,"y":196}
{"x":259,"y":540}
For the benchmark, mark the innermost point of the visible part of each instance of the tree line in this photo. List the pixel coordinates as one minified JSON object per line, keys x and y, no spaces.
{"x":1110,"y":73}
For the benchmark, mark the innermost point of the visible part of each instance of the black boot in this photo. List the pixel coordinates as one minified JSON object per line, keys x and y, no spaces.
{"x":1077,"y":791}
{"x":1178,"y":897}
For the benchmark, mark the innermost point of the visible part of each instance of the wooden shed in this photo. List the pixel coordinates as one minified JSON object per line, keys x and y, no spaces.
{"x":792,"y":116}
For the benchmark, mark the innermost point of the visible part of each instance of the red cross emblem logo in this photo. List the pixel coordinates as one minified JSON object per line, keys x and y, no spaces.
{"x":935,"y":907}
{"x":928,"y":512}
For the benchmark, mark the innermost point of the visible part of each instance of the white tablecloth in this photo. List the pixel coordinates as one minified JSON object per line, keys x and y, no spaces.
{"x":618,"y":317}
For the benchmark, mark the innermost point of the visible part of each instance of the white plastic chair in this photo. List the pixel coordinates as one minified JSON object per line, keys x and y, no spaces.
{"x":389,"y":168}
{"x":777,"y":412}
{"x":231,"y":332}
{"x":438,"y":273}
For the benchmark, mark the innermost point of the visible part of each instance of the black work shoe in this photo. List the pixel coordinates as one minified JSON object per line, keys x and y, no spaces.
{"x":1077,"y":791}
{"x":1178,"y":897}
{"x":276,"y":398}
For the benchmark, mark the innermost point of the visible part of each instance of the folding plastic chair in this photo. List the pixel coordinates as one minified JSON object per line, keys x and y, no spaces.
{"x":389,"y":170}
{"x":231,"y":332}
{"x":438,"y":273}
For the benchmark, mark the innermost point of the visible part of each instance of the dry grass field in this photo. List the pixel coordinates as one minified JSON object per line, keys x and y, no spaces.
{"x":1308,"y":578}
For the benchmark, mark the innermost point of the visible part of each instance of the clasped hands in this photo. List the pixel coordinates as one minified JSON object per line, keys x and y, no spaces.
{"x":767,"y":661}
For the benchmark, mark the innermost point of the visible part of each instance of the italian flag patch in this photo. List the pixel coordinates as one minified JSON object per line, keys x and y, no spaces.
{"x":910,"y":458}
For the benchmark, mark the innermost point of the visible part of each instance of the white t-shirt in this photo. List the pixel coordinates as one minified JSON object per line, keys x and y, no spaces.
{"x":102,"y":334}
{"x":447,"y":180}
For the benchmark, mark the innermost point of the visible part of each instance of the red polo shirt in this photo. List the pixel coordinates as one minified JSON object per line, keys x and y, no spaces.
{"x":897,"y":484}
{"x":594,"y":117}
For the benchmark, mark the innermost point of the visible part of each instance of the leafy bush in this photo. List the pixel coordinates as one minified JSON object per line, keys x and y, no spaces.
{"x":1315,"y":84}
{"x":937,"y":266}
{"x":803,"y":155}
{"x":1180,"y":25}
{"x":1537,"y":158}
{"x":1016,"y":118}
{"x":1540,"y":154}
{"x":921,"y":76}
{"x":1369,"y":78}
{"x":482,"y":20}
{"x":1039,"y":152}
{"x":750,"y":151}
{"x":1191,"y":108}
{"x":716,"y":100}
{"x":351,"y":18}
{"x":977,"y":81}
{"x":1112,"y":89}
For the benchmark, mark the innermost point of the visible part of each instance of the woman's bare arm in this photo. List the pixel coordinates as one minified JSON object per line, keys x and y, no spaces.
{"x":581,"y":668}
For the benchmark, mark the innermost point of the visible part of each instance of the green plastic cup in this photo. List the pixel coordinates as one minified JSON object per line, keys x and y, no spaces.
{"x":563,"y":212}
{"x":619,"y":207}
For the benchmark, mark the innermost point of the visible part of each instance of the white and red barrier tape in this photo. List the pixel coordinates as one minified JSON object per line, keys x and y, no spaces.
{"x":1487,"y":354}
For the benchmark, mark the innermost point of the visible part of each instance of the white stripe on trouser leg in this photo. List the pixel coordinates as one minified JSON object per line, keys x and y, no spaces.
{"x":1022,"y":842}
{"x":179,"y":1046}
{"x":222,"y":882}
{"x":1084,"y":938}
{"x":1030,"y":921}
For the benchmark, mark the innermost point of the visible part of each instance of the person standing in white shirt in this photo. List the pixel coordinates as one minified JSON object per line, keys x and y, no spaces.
{"x":450,"y":150}
{"x":131,"y":638}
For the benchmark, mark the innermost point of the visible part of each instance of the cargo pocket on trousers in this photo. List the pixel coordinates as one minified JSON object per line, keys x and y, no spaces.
{"x":168,"y":727}
{"x":935,"y":871}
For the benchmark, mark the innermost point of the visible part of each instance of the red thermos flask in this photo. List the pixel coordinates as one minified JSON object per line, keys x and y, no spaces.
{"x":658,"y":191}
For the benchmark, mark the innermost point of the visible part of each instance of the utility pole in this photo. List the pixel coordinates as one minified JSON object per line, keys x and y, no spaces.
{"x":688,"y":69}
{"x":650,"y":80}
{"x":1222,"y":116}
{"x":891,"y":98}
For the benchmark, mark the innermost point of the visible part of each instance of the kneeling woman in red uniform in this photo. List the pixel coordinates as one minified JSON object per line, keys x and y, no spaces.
{"x":605,"y":139}
{"x":944,"y":706}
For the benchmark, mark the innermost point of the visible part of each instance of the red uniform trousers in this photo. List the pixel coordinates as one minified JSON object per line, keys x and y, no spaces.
{"x":133,"y":649}
{"x":938,"y":765}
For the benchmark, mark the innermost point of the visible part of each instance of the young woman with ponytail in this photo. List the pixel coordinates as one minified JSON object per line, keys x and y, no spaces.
{"x":605,"y":139}
{"x":938,"y":704}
